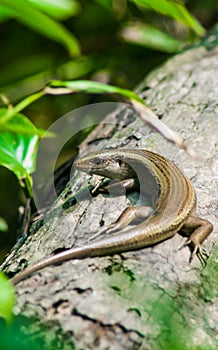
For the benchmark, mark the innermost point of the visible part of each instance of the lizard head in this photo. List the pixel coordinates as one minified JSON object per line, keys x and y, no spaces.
{"x":107,"y":163}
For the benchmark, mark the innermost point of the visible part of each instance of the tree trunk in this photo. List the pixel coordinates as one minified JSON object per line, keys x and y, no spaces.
{"x":152,"y":298}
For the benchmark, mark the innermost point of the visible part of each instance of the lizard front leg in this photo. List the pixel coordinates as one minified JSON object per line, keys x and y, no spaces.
{"x":129,"y":214}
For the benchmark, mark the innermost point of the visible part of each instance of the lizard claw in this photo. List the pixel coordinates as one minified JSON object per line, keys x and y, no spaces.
{"x":202,"y":256}
{"x":197,"y":250}
{"x":201,"y":253}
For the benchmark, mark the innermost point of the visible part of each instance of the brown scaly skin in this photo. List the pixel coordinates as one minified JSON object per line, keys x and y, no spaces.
{"x":173,"y":202}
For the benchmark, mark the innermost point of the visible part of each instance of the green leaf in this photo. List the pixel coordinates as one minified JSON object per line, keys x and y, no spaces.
{"x":7,"y":298}
{"x":18,"y":151}
{"x":40,"y":22}
{"x":174,"y":10}
{"x":19,"y":124}
{"x":149,"y":36}
{"x":3,"y":225}
{"x":5,"y":14}
{"x":7,"y":114}
{"x":61,"y":87}
{"x":59,"y":9}
{"x":108,"y":4}
{"x":20,"y":129}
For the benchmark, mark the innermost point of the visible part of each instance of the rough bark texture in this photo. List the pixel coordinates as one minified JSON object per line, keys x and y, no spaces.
{"x":152,"y":298}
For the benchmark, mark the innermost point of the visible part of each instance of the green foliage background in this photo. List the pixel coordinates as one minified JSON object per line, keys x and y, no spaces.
{"x":114,"y":42}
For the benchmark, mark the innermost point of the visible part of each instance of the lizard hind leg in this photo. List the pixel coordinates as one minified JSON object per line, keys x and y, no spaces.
{"x":200,"y":229}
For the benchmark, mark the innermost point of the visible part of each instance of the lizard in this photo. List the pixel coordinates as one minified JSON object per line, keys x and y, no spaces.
{"x":172,"y":209}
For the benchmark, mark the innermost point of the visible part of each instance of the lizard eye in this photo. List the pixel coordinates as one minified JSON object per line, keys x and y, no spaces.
{"x":120,"y":163}
{"x":96,"y":161}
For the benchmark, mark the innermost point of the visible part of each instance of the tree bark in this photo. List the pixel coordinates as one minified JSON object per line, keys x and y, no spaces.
{"x":147,"y":299}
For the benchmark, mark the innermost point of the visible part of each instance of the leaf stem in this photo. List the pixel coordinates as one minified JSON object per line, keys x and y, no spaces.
{"x":20,"y":106}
